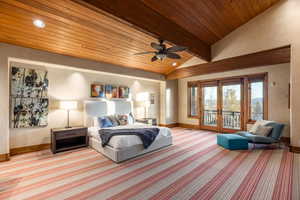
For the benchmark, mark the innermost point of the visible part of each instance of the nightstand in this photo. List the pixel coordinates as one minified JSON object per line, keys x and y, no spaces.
{"x":150,"y":121}
{"x":63,"y":139}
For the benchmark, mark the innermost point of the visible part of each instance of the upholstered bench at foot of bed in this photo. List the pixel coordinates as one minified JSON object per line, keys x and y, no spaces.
{"x":232,"y":141}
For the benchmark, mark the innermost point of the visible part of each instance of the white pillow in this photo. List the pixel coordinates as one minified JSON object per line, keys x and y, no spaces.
{"x":254,"y":127}
{"x":263,"y":130}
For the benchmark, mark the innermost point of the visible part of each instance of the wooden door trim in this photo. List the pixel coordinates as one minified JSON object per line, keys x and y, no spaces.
{"x":249,"y":79}
{"x":232,"y":82}
{"x":219,"y":84}
{"x":244,"y":79}
{"x":201,"y":86}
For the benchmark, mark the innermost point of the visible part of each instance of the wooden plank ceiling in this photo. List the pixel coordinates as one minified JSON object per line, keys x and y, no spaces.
{"x":82,"y":28}
{"x":210,"y":20}
{"x":74,"y":30}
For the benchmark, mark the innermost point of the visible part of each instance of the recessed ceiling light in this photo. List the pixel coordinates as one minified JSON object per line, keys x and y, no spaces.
{"x":174,"y":64}
{"x":39,"y":23}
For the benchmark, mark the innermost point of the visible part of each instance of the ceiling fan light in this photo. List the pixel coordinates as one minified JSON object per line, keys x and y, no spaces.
{"x":161,"y":56}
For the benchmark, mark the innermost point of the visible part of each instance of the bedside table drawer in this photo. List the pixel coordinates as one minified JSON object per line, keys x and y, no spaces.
{"x":64,"y":139}
{"x":70,"y":133}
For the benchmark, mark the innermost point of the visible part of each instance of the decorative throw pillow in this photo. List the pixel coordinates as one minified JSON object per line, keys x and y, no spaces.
{"x":104,"y":122}
{"x":263,"y":130}
{"x":114,"y":120}
{"x":123,"y":120}
{"x":254,"y":127}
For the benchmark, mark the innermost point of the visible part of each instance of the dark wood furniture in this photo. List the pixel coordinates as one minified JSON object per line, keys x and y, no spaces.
{"x":63,"y":139}
{"x":150,"y":121}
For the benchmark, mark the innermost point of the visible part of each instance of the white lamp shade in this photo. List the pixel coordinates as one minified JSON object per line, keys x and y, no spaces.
{"x":68,"y":105}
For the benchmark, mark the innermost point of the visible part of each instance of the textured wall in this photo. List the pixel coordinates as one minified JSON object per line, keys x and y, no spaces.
{"x":65,"y":83}
{"x":276,"y":27}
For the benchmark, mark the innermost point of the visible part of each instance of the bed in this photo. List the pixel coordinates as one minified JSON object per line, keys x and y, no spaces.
{"x":121,"y":147}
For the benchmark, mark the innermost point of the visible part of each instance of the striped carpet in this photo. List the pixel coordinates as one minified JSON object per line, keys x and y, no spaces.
{"x":193,"y":168}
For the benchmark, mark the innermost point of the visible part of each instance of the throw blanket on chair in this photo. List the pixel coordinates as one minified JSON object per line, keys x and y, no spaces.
{"x":147,"y":135}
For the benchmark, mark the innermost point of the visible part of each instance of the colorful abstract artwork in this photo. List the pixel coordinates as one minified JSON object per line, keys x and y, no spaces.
{"x":30,"y":112}
{"x":29,"y":97}
{"x":115,"y":92}
{"x":124,"y":92}
{"x":29,"y":83}
{"x":97,"y":90}
{"x":108,"y":91}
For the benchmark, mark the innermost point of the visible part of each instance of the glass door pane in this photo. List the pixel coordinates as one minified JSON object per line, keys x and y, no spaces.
{"x":257,"y":100}
{"x":210,"y":106}
{"x":231,"y":106}
{"x":194,"y":101}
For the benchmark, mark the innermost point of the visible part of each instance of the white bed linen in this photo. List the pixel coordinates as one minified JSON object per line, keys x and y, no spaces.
{"x":122,"y":141}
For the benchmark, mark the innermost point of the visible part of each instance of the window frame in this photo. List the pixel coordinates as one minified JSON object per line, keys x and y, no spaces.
{"x":252,"y":79}
{"x":191,"y":85}
{"x":246,"y":81}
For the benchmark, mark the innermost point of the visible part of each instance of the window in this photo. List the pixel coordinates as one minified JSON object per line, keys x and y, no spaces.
{"x":257,"y":98}
{"x":257,"y":101}
{"x":239,"y":104}
{"x":193,"y":101}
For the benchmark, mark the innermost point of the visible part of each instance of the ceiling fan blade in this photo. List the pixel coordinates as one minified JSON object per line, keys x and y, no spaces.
{"x":154,"y":58}
{"x":156,"y":46}
{"x":176,"y":49}
{"x":173,"y":55}
{"x":142,"y":53}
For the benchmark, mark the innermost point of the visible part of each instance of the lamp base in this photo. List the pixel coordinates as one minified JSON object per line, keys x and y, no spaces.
{"x":68,"y":127}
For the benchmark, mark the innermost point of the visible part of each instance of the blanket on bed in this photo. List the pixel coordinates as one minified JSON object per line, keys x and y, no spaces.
{"x":147,"y":135}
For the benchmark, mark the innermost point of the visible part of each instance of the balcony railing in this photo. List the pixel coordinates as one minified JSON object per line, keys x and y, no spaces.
{"x":231,"y":119}
{"x":210,"y":117}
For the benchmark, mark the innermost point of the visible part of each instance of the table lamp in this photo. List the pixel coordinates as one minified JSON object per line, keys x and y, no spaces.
{"x":68,"y":105}
{"x":144,"y":104}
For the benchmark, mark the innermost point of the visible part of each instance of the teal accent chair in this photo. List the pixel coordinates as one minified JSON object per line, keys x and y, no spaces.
{"x":273,"y":137}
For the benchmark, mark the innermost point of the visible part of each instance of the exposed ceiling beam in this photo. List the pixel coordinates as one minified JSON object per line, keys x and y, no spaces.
{"x":263,"y":58}
{"x":148,"y":20}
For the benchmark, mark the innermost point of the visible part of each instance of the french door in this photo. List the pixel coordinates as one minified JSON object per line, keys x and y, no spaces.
{"x":221,"y":105}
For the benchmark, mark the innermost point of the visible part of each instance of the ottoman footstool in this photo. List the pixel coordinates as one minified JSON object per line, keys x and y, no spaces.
{"x":232,"y":141}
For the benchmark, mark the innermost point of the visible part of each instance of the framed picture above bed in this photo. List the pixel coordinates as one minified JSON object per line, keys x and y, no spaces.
{"x":124,"y":92}
{"x":115,"y":92}
{"x":108,"y":91}
{"x":98,"y":90}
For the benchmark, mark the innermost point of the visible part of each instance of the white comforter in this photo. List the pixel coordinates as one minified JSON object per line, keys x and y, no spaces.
{"x":121,"y":141}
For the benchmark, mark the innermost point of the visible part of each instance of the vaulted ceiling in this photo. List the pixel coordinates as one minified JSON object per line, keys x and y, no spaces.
{"x":112,"y":31}
{"x":209,"y":20}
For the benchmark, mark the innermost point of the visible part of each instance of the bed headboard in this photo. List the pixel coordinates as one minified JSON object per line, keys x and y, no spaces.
{"x":99,"y":108}
{"x":122,"y":107}
{"x":92,"y":109}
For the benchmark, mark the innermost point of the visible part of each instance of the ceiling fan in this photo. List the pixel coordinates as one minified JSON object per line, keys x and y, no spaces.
{"x":163,"y":52}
